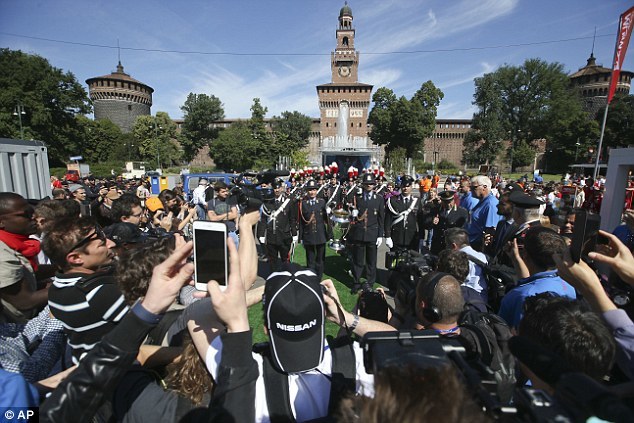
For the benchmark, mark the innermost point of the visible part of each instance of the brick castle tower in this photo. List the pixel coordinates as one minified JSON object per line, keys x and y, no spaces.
{"x":120,"y":98}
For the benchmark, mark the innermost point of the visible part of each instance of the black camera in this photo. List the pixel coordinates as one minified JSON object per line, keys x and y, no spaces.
{"x":408,"y":267}
{"x":249,"y":194}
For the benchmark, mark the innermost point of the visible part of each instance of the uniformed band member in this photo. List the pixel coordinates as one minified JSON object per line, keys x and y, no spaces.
{"x":402,"y":216}
{"x":366,"y":232}
{"x":278,"y":226}
{"x":449,"y":216}
{"x":314,"y":228}
{"x":333,"y":190}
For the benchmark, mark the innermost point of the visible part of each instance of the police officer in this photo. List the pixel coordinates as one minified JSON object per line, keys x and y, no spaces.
{"x":366,"y":232}
{"x":314,"y":228}
{"x":278,"y":225}
{"x":449,"y":215}
{"x":402,"y":217}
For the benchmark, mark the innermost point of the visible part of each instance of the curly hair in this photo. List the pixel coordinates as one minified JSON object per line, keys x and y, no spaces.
{"x":134,"y":269}
{"x":456,"y":263}
{"x":188,"y":376}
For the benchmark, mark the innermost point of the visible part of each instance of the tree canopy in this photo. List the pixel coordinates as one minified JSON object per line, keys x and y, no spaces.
{"x":619,"y":128}
{"x":245,"y":144}
{"x":51,"y":99}
{"x":522,"y":104}
{"x":156,"y":139}
{"x":201,"y":110}
{"x":402,"y":123}
{"x":291,"y":130}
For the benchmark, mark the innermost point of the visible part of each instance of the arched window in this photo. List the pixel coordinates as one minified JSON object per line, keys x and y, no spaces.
{"x":345,"y":41}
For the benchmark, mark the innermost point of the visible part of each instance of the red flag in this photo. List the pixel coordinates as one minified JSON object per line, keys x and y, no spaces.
{"x":622,"y":40}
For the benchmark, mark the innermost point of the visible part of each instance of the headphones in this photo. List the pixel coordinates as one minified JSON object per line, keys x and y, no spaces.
{"x":430,"y":312}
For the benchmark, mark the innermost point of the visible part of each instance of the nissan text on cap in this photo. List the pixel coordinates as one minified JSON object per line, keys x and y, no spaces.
{"x":295,"y":317}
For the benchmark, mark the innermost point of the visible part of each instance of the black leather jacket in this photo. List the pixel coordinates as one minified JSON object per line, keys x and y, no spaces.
{"x":79,"y":397}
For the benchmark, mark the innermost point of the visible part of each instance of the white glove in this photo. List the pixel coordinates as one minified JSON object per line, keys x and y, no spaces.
{"x":389,"y":243}
{"x":262,"y":240}
{"x":328,"y":210}
{"x":295,"y":239}
{"x":355,"y":213}
{"x":379,"y":241}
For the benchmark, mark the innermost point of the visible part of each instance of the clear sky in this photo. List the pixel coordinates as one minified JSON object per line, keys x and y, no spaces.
{"x":440,"y":40}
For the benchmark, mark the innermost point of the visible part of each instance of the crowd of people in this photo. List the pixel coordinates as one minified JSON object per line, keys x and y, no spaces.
{"x":100,"y":319}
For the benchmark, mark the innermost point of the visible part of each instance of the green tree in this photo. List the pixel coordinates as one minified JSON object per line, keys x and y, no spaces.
{"x":267,"y":151}
{"x":201,"y":110}
{"x":100,"y":139}
{"x":380,"y":116}
{"x":157,"y":140}
{"x":535,"y":102}
{"x":51,"y":99}
{"x":619,"y":127}
{"x":291,"y":130}
{"x":483,"y":142}
{"x":235,"y":148}
{"x":403,"y":123}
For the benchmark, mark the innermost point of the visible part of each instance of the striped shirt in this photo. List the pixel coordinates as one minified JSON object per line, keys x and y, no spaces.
{"x":89,"y":306}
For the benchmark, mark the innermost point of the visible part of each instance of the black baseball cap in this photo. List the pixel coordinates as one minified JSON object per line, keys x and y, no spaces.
{"x":295,"y":316}
{"x":125,"y":233}
{"x":524,"y":201}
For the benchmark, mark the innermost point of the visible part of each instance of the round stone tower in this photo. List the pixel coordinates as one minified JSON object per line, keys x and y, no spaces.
{"x":120,"y":98}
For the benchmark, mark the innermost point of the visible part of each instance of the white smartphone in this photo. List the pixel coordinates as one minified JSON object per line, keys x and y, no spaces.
{"x":210,"y":254}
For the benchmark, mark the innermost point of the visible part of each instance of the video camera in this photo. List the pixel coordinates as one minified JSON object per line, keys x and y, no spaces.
{"x":577,"y":397}
{"x":408,"y":267}
{"x":247,"y":193}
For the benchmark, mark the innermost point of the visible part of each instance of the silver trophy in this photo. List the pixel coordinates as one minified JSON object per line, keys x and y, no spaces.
{"x":340,"y":219}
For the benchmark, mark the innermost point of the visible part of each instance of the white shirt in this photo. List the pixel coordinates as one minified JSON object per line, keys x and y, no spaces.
{"x":475,"y":272}
{"x":198,"y":196}
{"x":309,"y":392}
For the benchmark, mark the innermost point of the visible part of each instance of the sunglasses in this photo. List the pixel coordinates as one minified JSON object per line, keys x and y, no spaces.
{"x":97,"y":234}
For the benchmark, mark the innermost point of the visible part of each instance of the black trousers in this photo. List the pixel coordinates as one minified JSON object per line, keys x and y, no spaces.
{"x":364,"y":256}
{"x":278,"y":254}
{"x":315,"y":258}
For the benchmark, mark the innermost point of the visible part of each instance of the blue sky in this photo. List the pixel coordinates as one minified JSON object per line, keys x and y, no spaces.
{"x":284,"y":28}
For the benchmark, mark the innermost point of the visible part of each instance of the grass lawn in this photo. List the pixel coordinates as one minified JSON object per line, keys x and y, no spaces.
{"x":555,"y":177}
{"x":336,"y":268}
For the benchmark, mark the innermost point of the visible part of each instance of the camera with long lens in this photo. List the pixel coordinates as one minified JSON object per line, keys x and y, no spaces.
{"x":407,"y":268}
{"x":249,"y":194}
{"x":576,"y":396}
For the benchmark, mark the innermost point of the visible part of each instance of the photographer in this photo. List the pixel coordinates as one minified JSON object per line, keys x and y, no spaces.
{"x":535,"y":263}
{"x":585,"y":280}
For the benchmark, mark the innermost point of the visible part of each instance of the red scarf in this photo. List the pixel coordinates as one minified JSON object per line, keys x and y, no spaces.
{"x":24,"y":245}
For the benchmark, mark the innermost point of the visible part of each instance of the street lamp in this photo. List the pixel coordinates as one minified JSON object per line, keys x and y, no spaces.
{"x":577,"y":144}
{"x":19,"y":111}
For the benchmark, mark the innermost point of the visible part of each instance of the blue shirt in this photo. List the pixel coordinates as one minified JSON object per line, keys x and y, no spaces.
{"x":512,"y":307}
{"x":468,"y":202}
{"x":484,"y":215}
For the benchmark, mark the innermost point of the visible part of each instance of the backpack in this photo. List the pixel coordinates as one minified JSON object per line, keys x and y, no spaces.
{"x":486,"y":335}
{"x":342,"y":380}
{"x":499,"y":279}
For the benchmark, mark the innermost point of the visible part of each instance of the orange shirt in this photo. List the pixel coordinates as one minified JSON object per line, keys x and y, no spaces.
{"x":424,"y":185}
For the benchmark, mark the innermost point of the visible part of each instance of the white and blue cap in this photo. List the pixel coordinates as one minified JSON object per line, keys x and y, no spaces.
{"x":295,"y":316}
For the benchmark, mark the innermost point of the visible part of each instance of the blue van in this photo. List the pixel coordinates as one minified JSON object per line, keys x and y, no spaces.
{"x":190,"y":181}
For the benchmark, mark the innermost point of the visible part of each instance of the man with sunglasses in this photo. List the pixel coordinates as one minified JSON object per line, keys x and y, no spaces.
{"x":19,"y":294}
{"x":84,"y":296}
{"x":484,"y":215}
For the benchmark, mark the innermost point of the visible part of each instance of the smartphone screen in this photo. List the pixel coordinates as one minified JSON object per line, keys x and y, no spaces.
{"x":584,"y":236}
{"x":210,"y":255}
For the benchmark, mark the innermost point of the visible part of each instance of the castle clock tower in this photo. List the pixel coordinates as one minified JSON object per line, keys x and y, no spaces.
{"x":345,"y":59}
{"x":344,"y":104}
